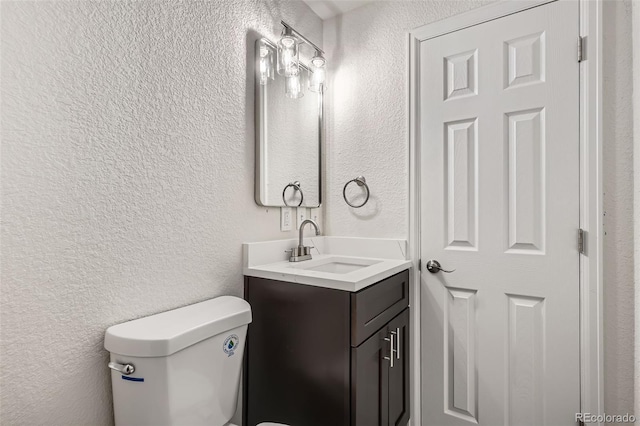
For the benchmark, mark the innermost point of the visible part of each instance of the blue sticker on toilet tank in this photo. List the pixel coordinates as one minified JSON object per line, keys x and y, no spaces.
{"x":230,"y":344}
{"x":133,"y":379}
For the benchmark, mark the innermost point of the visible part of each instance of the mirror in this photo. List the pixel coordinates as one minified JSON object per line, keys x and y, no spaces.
{"x":288,"y":135}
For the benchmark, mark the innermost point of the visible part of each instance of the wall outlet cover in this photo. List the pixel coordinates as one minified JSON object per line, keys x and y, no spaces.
{"x":286,"y":218}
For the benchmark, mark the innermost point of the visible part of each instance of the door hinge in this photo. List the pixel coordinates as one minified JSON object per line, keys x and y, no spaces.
{"x":419,"y":264}
{"x":581,"y":240}
{"x":582,"y":49}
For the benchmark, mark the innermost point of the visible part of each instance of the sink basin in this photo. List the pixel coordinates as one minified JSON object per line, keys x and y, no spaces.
{"x":336,"y":265}
{"x":337,"y":268}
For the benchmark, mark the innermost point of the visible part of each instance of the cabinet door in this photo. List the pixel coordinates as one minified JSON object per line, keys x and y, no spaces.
{"x":297,"y":355}
{"x":370,"y":381}
{"x":399,"y":373}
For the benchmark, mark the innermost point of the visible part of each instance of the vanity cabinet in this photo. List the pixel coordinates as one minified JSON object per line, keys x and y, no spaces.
{"x":318,"y":356}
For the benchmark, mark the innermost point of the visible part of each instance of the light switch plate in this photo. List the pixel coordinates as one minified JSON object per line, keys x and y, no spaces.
{"x":302,"y":214}
{"x":286,"y":219}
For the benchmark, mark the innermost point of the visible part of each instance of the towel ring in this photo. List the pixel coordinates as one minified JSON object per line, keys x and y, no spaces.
{"x":361,"y":181}
{"x":296,"y":187}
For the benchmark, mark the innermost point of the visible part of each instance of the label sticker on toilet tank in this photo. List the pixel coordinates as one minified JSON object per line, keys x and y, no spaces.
{"x":133,"y":379}
{"x":230,"y":344}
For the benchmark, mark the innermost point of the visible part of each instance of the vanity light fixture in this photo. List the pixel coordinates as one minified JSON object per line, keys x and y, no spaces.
{"x":289,"y":62}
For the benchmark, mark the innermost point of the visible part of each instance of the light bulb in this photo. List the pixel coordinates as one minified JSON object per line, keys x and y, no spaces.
{"x":293,"y":87}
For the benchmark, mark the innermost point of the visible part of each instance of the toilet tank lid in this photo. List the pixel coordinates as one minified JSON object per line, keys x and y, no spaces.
{"x":168,"y":332}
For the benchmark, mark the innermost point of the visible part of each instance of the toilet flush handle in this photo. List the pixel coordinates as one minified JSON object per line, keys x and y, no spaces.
{"x":125,"y":369}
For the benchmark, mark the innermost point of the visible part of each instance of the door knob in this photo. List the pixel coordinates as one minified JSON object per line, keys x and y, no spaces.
{"x":433,"y":266}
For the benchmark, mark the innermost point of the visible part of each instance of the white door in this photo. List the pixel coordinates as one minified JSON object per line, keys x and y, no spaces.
{"x":499,"y":205}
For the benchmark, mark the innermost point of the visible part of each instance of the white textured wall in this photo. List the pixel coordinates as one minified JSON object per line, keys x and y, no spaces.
{"x":366,"y":124}
{"x":127,"y":180}
{"x":618,"y":206}
{"x":636,"y":190}
{"x":367,"y":134}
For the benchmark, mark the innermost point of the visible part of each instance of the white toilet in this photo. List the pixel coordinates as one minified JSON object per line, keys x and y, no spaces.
{"x":180,"y":367}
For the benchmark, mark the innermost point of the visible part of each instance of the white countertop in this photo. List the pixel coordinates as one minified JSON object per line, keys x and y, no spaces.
{"x":372,"y":271}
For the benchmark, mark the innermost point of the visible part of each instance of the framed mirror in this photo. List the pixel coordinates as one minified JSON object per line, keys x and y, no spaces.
{"x":288,"y":135}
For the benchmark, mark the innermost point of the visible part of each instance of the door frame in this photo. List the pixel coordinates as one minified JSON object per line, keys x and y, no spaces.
{"x":591,"y":198}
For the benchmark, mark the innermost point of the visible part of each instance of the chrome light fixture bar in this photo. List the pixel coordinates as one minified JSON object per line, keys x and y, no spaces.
{"x":289,"y":62}
{"x":301,"y":37}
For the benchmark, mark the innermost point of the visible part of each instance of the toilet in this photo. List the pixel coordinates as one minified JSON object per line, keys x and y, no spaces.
{"x":180,"y":367}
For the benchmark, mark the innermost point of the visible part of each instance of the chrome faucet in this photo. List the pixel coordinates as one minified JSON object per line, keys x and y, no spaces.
{"x":303,"y":252}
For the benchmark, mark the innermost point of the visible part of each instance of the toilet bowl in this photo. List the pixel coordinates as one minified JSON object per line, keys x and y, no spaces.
{"x":179,"y":367}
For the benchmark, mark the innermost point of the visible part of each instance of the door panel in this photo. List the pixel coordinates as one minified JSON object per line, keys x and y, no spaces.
{"x":500,"y":183}
{"x":460,"y":196}
{"x":460,"y":343}
{"x":525,"y":402}
{"x":525,"y":181}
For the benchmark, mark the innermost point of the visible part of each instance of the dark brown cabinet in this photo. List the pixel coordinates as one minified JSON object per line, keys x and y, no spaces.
{"x":323,"y":357}
{"x":380,"y":394}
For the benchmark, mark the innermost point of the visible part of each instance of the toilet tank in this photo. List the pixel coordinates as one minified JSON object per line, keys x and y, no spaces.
{"x":186,"y":363}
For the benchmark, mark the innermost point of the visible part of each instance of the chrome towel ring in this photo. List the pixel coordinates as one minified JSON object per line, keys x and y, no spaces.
{"x":361,"y":181}
{"x":296,"y":187}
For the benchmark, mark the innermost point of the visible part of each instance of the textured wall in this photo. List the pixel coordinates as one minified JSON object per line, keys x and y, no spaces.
{"x":618,"y":206}
{"x":636,"y":190}
{"x":367,"y":134}
{"x":127,"y":180}
{"x":367,"y":122}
